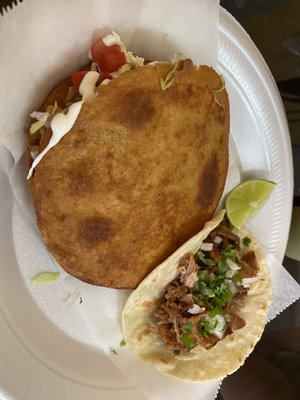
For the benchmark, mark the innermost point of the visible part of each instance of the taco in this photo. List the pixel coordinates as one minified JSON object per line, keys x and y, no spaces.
{"x":139,"y":173}
{"x":199,"y":314}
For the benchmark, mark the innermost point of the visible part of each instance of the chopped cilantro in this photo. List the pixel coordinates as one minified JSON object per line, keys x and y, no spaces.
{"x":216,"y":310}
{"x":122,"y":343}
{"x":187,"y":340}
{"x":187,"y":327}
{"x":80,"y":300}
{"x":203,"y":333}
{"x":206,"y":261}
{"x":246,"y":241}
{"x":205,"y":325}
{"x":222,"y":266}
{"x":214,"y":289}
{"x":229,"y":251}
{"x":226,"y":295}
{"x":113,"y":351}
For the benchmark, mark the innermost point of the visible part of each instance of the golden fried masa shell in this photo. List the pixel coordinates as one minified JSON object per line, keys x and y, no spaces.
{"x":199,"y":364}
{"x":139,"y":173}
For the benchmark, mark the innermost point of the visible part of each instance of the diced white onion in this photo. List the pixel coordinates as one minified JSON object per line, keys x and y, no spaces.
{"x":219,"y":324}
{"x":229,"y":273}
{"x":247,"y":281}
{"x":218,"y":239}
{"x":207,"y":292}
{"x":34,"y":153}
{"x":40,"y":116}
{"x":212,"y":276}
{"x":219,"y":334}
{"x":196,"y":309}
{"x":232,"y":265}
{"x":230,"y":285}
{"x":206,"y":246}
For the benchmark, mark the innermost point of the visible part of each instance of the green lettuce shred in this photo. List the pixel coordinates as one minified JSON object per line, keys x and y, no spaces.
{"x":46,"y":277}
{"x":166,"y":82}
{"x":215,"y":91}
{"x":43,"y":117}
{"x":38,"y":124}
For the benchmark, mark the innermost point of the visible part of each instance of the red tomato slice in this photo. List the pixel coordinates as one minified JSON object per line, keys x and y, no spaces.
{"x":102,"y":77}
{"x":76,"y":78}
{"x":109,"y":58}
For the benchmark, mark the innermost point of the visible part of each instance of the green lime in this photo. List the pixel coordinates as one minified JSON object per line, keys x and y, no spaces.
{"x":245,"y":200}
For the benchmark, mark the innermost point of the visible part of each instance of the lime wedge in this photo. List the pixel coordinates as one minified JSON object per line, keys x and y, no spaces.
{"x":245,"y":200}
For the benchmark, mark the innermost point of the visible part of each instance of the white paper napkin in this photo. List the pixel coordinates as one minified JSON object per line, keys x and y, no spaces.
{"x":41,"y":42}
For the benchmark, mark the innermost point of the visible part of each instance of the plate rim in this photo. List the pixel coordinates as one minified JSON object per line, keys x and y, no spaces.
{"x":227,"y":22}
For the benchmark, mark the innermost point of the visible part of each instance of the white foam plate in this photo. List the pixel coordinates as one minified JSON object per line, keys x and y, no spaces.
{"x":46,"y":350}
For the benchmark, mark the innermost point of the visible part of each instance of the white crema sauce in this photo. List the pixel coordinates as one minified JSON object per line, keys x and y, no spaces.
{"x":62,"y":123}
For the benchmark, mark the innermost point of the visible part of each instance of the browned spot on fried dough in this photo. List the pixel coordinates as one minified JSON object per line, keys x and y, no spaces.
{"x":95,"y":229}
{"x":208,"y":182}
{"x":80,"y":182}
{"x":134,"y":110}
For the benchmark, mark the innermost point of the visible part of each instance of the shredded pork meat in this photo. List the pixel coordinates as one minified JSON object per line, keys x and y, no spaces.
{"x":188,"y":270}
{"x":249,"y":265}
{"x":172,"y":313}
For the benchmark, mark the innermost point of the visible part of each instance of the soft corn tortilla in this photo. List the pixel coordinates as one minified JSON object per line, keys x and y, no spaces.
{"x":139,"y":173}
{"x":199,"y":364}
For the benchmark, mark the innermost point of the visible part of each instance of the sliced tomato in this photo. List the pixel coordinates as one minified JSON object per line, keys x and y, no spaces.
{"x":109,"y":58}
{"x":76,"y":78}
{"x":102,"y":77}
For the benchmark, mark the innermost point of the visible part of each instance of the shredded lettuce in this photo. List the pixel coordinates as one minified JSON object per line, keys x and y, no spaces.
{"x":166,"y":82}
{"x":46,"y":277}
{"x":71,"y":97}
{"x":215,"y":91}
{"x":53,"y":109}
{"x":43,"y":117}
{"x":41,"y":121}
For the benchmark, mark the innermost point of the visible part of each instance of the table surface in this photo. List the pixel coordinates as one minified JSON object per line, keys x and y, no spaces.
{"x":273,"y":369}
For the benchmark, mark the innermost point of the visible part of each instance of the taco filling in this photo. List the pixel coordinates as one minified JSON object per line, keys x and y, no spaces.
{"x":201,"y":305}
{"x":199,"y":314}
